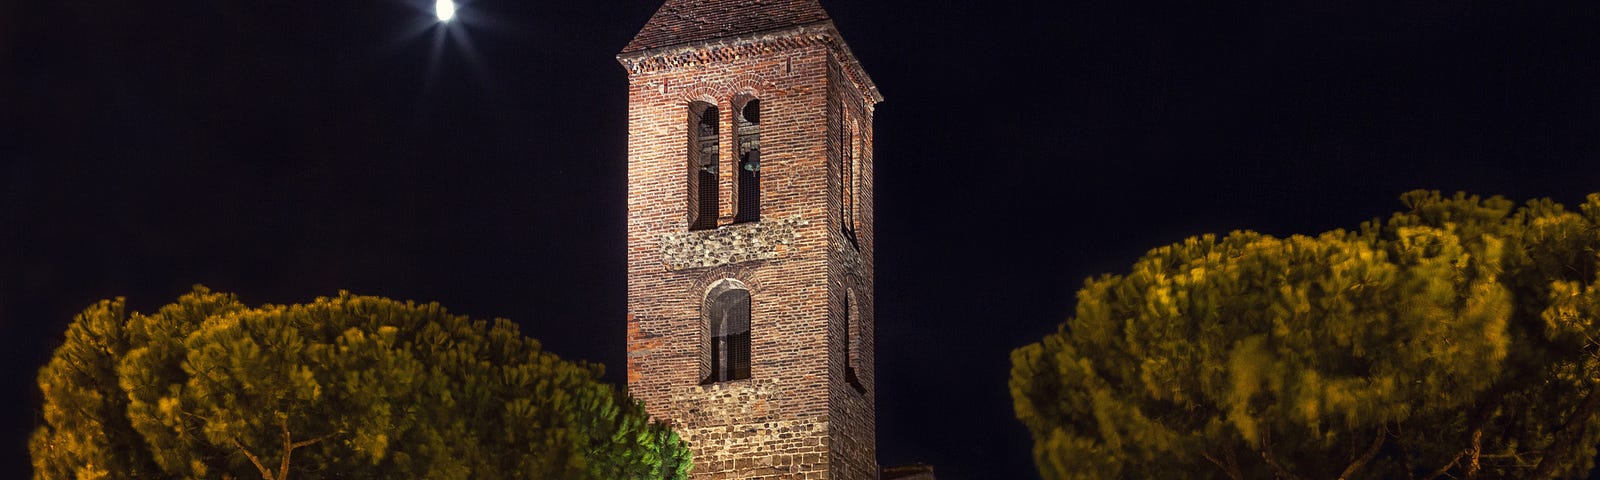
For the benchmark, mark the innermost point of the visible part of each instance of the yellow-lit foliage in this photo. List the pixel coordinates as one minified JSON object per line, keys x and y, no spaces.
{"x":349,"y":386}
{"x":1366,"y":352}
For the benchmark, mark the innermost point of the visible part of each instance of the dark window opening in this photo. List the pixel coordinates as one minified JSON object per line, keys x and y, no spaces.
{"x":851,"y":345}
{"x":847,"y":176}
{"x":728,"y":309}
{"x":749,"y":123}
{"x":703,"y":146}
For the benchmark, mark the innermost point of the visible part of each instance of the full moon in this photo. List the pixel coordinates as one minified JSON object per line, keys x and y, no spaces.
{"x":445,"y":9}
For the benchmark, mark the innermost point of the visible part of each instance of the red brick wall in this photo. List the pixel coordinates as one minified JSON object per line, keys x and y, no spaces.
{"x":852,"y":413}
{"x":796,"y":417}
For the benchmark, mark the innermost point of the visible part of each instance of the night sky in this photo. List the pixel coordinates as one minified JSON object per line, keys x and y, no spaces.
{"x":284,"y":150}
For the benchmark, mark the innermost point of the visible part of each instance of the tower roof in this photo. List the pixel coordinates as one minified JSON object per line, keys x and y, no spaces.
{"x":686,"y":21}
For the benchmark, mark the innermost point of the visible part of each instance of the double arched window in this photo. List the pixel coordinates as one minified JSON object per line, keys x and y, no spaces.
{"x":704,"y":155}
{"x":726,"y":316}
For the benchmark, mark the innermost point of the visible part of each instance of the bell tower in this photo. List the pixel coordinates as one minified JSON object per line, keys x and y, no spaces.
{"x":750,"y":240}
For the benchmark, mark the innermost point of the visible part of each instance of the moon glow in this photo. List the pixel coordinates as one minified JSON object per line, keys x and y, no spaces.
{"x":445,"y":9}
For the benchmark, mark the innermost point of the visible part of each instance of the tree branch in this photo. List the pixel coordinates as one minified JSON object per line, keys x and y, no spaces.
{"x":1266,"y":456}
{"x":1229,"y":468}
{"x":1233,"y":460}
{"x":1218,"y":463}
{"x":1446,"y":467}
{"x":1372,"y":451}
{"x":1277,"y":468}
{"x":1405,"y":455}
{"x":307,"y":443}
{"x":265,"y":474}
{"x":289,"y":446}
{"x":1570,"y":432}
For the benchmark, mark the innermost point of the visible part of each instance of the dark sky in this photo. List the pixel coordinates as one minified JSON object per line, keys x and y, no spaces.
{"x":284,"y":150}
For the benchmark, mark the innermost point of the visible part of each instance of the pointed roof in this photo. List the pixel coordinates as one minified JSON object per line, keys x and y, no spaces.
{"x":687,"y":21}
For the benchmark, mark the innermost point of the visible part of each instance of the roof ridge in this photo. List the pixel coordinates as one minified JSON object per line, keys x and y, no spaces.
{"x":688,"y":21}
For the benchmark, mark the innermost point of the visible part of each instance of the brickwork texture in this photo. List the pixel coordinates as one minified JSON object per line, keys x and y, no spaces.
{"x":807,"y":410}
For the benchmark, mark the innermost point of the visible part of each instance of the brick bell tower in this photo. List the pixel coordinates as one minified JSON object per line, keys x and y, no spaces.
{"x":750,"y":239}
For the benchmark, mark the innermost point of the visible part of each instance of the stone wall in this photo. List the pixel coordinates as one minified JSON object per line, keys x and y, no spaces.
{"x":740,"y":242}
{"x":741,"y":433}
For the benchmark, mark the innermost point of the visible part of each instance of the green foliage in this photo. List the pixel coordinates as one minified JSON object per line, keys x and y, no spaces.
{"x":1460,"y":337}
{"x":344,"y":387}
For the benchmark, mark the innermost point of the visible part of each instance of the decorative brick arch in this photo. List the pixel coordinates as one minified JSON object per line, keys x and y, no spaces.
{"x":718,"y":91}
{"x":750,"y":85}
{"x":725,"y":283}
{"x":738,"y":100}
{"x":700,"y":92}
{"x":742,"y":273}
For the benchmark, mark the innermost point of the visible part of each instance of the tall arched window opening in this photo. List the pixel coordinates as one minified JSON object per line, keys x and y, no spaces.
{"x":703,"y":145}
{"x":749,"y":185}
{"x":727,"y":311}
{"x":847,"y":174}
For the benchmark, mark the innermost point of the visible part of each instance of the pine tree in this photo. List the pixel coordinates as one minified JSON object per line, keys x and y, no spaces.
{"x":343,"y":387}
{"x":1458,"y":338}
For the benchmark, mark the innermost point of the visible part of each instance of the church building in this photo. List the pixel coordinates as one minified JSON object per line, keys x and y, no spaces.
{"x":750,"y":239}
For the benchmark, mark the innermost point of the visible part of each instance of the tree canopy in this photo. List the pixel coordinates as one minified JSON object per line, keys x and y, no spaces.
{"x":343,"y":387}
{"x":1459,"y":338}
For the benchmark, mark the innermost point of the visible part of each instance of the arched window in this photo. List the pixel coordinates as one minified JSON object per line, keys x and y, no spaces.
{"x":727,"y":313}
{"x":848,"y":140}
{"x":852,"y":340}
{"x":703,"y":143}
{"x":749,"y":126}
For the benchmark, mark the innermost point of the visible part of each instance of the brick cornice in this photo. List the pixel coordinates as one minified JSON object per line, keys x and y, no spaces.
{"x":755,"y":43}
